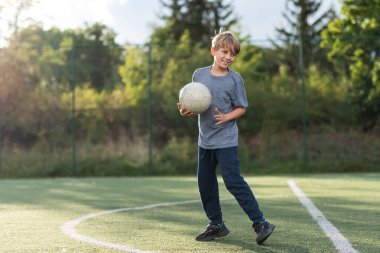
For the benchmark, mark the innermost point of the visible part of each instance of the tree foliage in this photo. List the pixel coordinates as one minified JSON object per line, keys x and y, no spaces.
{"x":302,"y":20}
{"x":55,"y":57}
{"x":41,"y":50}
{"x":354,"y":38}
{"x":202,"y":18}
{"x":97,"y":54}
{"x":134,"y":73}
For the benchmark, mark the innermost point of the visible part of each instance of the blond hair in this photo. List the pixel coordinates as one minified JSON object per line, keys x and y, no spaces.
{"x":226,"y":40}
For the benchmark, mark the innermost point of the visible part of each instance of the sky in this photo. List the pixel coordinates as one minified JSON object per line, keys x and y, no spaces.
{"x":132,"y":20}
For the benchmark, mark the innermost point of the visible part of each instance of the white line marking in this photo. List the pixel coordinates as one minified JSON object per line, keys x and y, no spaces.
{"x":339,"y":241}
{"x":69,"y":227}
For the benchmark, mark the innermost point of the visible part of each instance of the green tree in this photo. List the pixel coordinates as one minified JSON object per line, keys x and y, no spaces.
{"x":354,"y":38}
{"x":97,"y":54}
{"x":202,"y":18}
{"x":43,"y":59}
{"x":51,"y":54}
{"x":29,"y":115}
{"x":134,"y":75}
{"x":301,"y":19}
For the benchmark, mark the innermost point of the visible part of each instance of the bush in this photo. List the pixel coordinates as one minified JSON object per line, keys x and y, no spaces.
{"x":179,"y":156}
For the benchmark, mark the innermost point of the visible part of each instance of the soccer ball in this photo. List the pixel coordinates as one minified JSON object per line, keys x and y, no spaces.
{"x":195,"y":97}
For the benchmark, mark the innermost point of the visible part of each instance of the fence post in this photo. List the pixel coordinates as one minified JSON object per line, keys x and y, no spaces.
{"x":73,"y":113}
{"x":149,"y":106}
{"x":304,"y":109}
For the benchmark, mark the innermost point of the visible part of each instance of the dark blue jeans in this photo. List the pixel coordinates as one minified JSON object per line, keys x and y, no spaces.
{"x":228,"y":161}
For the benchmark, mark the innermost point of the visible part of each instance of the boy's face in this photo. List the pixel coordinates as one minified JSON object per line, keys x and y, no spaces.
{"x":223,"y":57}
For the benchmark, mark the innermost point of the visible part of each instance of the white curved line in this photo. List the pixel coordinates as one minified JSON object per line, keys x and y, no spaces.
{"x":69,"y":227}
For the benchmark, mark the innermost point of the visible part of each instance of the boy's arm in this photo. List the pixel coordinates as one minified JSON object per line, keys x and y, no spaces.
{"x":221,"y":118}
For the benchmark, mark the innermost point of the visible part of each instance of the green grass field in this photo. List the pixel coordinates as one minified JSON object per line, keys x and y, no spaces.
{"x":33,"y":211}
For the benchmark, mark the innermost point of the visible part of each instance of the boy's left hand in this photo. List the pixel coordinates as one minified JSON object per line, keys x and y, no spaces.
{"x":219,"y":117}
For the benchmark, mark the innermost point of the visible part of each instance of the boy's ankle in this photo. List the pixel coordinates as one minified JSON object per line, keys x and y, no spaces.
{"x":217,"y":223}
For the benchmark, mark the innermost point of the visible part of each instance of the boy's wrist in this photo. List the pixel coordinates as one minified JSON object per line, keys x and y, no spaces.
{"x":228,"y":116}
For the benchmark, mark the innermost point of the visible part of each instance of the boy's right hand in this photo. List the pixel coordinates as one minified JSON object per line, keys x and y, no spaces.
{"x":184,"y":112}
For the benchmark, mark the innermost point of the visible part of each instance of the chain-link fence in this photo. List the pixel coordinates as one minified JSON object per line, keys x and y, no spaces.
{"x":66,"y":111}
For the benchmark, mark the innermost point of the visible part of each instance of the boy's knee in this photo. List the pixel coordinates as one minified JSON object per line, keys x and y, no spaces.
{"x":234,"y":184}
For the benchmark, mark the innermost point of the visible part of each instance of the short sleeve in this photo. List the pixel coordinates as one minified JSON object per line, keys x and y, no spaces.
{"x":240,"y":98}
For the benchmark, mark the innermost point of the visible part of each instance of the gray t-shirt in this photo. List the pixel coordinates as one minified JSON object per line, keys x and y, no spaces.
{"x":227,"y":94}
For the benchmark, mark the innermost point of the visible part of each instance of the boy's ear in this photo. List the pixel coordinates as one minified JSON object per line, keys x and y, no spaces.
{"x":212,"y":50}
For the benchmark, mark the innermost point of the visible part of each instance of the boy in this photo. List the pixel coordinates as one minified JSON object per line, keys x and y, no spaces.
{"x":218,"y":141}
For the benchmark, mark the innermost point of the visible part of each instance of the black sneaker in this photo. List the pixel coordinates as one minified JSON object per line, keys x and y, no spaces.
{"x":213,"y":232}
{"x":263,"y":231}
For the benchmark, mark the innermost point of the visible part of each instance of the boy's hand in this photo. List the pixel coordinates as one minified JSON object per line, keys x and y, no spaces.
{"x":184,"y":112}
{"x":219,"y":117}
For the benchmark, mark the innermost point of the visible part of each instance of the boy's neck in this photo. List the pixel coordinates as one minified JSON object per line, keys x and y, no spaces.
{"x":216,"y":71}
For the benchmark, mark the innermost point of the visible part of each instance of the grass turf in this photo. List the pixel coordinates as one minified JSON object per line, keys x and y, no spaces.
{"x":32,"y":212}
